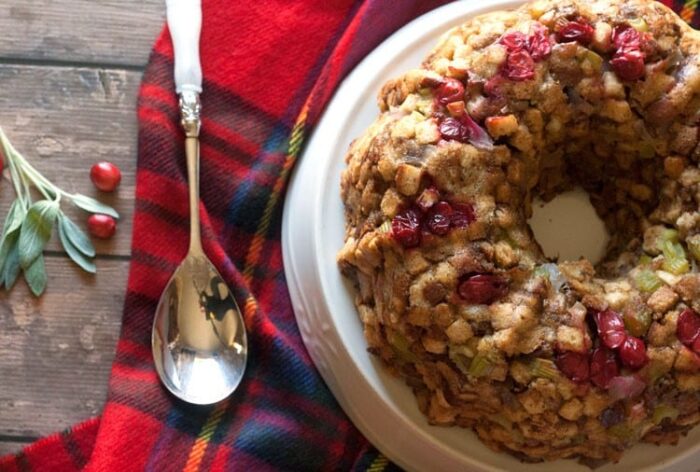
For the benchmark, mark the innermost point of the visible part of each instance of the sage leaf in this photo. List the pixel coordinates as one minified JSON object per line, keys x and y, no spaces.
{"x":8,"y":240}
{"x":35,"y":275}
{"x":15,"y":217}
{"x":75,"y":235}
{"x":74,"y":252}
{"x":36,"y":231}
{"x":10,"y":269}
{"x":10,"y":232}
{"x":93,"y":206}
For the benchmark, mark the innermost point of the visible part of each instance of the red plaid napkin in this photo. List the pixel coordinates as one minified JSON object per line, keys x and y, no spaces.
{"x":270,"y":66}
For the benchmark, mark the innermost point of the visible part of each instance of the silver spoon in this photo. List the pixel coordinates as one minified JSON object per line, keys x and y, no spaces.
{"x":199,"y":340}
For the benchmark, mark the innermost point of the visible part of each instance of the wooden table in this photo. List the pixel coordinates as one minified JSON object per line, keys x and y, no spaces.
{"x":69,"y":75}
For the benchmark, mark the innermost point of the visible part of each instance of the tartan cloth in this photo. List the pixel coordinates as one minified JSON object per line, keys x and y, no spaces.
{"x":269,"y":67}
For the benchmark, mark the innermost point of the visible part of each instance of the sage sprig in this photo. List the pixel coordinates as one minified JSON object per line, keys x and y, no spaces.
{"x":29,"y":224}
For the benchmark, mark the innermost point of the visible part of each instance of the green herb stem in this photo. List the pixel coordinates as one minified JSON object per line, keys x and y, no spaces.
{"x":28,"y":225}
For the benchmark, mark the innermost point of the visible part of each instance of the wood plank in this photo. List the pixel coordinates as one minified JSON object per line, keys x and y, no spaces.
{"x":11,"y":447}
{"x":65,"y":119}
{"x":56,"y":352}
{"x":106,"y":31}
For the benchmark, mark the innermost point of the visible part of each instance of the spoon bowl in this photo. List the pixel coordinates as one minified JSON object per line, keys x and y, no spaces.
{"x":199,"y":340}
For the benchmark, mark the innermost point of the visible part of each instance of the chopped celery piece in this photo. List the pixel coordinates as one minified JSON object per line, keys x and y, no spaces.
{"x":595,"y":61}
{"x":401,"y":346}
{"x":544,"y":368}
{"x":639,"y":24}
{"x":541,"y":271}
{"x":675,"y":260}
{"x":645,"y":259}
{"x":666,"y":235}
{"x":624,"y":431}
{"x":694,"y":246}
{"x":647,"y":281}
{"x":385,"y":227}
{"x":481,"y":365}
{"x":637,"y":322}
{"x":662,"y":412}
{"x":461,"y":356}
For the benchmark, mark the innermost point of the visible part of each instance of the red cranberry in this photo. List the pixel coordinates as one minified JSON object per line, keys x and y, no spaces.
{"x":696,"y":345}
{"x":688,"y":327}
{"x":580,"y":31}
{"x":406,"y":227}
{"x":574,"y":365}
{"x":106,"y":176}
{"x":514,"y":40}
{"x":438,"y":220}
{"x":633,"y":353}
{"x":628,"y":65}
{"x":519,"y":66}
{"x":482,"y":289}
{"x":453,"y":129}
{"x":538,"y":44}
{"x":626,"y":37}
{"x":603,"y":367}
{"x":101,"y":226}
{"x":451,"y":90}
{"x":492,"y":87}
{"x":462,"y":215}
{"x":611,"y":328}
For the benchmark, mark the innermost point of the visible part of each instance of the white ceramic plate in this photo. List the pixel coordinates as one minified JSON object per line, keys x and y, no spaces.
{"x":381,"y":406}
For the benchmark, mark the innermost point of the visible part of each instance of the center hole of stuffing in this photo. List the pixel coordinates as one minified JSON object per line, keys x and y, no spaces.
{"x":568,"y":228}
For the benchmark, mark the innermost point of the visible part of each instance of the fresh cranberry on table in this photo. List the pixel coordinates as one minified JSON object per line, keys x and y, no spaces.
{"x":106,"y":176}
{"x":603,"y":367}
{"x":688,"y":327}
{"x":579,"y":30}
{"x":611,"y":328}
{"x":574,"y":365}
{"x":406,"y":227}
{"x":633,"y":353}
{"x":482,"y":289}
{"x":101,"y":226}
{"x":450,"y":90}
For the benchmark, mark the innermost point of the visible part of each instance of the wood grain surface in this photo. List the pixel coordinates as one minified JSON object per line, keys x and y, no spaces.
{"x":114,"y":32}
{"x":70,"y":71}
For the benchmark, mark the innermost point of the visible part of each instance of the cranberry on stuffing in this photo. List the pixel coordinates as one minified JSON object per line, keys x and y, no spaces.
{"x":482,"y":289}
{"x":603,"y":367}
{"x":574,"y":365}
{"x":405,"y":228}
{"x":578,"y":30}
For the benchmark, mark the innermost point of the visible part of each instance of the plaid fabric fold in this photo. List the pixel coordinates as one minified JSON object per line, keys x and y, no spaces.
{"x":270,"y":67}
